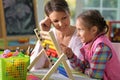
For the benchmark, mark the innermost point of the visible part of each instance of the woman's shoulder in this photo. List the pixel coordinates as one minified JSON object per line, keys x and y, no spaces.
{"x":74,"y":37}
{"x":73,"y":27}
{"x":74,"y":30}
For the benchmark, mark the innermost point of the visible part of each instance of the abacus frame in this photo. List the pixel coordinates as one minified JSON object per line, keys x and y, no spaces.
{"x":61,"y":56}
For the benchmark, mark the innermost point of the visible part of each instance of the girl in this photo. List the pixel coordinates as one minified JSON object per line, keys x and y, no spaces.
{"x":100,"y":60}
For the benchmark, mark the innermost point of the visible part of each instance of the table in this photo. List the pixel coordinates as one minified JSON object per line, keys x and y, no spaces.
{"x":58,"y":76}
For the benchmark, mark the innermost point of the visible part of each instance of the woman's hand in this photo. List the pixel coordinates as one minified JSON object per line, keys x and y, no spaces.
{"x":45,"y":24}
{"x":67,"y":51}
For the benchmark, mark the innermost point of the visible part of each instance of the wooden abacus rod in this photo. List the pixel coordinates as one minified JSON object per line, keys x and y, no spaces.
{"x":35,"y":60}
{"x":58,"y":50}
{"x":54,"y":67}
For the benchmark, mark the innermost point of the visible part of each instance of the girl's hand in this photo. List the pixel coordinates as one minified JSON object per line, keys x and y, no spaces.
{"x":45,"y":24}
{"x":67,"y":51}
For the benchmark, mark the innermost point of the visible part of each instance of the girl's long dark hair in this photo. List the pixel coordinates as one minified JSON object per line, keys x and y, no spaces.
{"x":92,"y":18}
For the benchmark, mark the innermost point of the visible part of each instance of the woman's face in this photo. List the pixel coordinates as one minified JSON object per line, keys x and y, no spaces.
{"x":86,"y":35}
{"x":60,"y":20}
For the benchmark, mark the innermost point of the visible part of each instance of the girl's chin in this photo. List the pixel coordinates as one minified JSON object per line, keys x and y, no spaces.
{"x":82,"y":41}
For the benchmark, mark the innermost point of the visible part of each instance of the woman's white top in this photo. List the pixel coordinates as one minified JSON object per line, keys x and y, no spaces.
{"x":75,"y":44}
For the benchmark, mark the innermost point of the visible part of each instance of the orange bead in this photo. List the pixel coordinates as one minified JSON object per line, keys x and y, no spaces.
{"x":9,"y":54}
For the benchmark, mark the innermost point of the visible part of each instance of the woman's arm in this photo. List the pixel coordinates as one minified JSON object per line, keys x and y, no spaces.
{"x":45,"y":24}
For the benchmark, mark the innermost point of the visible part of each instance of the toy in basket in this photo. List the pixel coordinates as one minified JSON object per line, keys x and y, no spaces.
{"x":13,"y":66}
{"x":52,"y":50}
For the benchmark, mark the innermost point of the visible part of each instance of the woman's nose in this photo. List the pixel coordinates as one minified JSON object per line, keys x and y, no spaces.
{"x":60,"y":23}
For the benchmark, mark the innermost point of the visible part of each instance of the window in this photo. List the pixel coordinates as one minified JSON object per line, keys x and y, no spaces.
{"x":72,"y":6}
{"x":108,"y":8}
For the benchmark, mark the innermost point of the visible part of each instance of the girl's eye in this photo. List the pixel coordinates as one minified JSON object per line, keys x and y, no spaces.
{"x":80,"y":30}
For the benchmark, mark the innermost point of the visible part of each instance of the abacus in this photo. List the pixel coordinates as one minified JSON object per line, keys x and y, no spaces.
{"x":50,"y":48}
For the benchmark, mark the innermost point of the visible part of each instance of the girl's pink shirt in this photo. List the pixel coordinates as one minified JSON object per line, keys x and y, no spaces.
{"x":112,"y":70}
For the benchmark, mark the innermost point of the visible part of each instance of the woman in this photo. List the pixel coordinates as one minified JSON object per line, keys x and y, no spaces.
{"x":58,"y":15}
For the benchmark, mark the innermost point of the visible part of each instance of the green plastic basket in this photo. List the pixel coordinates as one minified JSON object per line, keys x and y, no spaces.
{"x":14,"y":68}
{"x":1,"y":52}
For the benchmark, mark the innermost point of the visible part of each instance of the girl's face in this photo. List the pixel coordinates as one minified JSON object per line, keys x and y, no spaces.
{"x":86,"y":35}
{"x":60,"y":20}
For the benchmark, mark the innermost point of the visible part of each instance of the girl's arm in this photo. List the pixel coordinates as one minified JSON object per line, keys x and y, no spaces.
{"x":101,"y":56}
{"x":97,"y":65}
{"x":77,"y":64}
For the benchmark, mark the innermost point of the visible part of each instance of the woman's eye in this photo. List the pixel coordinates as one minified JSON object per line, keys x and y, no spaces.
{"x":55,"y":21}
{"x":64,"y":17}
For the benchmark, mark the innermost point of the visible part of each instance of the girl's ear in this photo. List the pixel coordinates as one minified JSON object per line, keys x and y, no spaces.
{"x":94,"y":29}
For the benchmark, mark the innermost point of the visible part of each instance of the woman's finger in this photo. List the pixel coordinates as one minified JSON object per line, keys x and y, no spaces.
{"x":45,"y":24}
